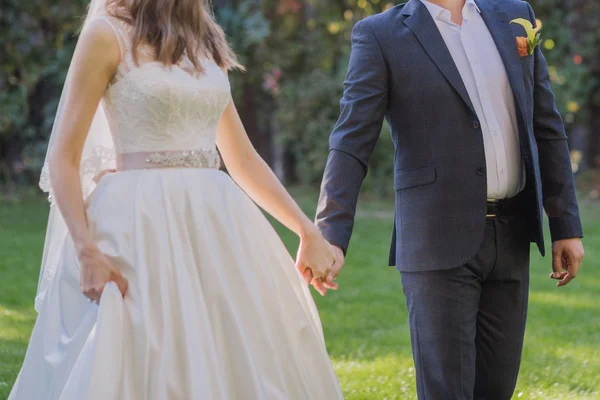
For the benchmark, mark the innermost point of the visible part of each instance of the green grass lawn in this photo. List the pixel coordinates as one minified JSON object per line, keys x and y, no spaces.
{"x":365,"y":322}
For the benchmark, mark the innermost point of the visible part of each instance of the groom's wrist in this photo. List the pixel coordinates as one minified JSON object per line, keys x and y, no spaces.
{"x":335,"y":242}
{"x":565,"y":228}
{"x":335,"y":237}
{"x":343,"y":249}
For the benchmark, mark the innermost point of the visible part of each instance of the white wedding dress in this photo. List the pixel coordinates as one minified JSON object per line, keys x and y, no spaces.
{"x":215,"y":308}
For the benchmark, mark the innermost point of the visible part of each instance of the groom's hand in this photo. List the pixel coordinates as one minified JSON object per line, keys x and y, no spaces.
{"x":321,"y":285}
{"x":567,"y":255}
{"x":315,"y":258}
{"x":329,"y":282}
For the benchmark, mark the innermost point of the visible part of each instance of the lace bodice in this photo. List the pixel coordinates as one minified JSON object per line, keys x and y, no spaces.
{"x":151,"y":107}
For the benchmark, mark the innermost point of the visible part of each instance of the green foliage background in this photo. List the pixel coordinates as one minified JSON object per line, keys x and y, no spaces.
{"x":296,"y":52}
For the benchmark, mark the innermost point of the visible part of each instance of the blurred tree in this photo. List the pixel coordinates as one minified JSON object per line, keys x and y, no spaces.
{"x":572,"y":47}
{"x":36,"y":44}
{"x":296,"y":52}
{"x":583,"y":20}
{"x":248,"y":29}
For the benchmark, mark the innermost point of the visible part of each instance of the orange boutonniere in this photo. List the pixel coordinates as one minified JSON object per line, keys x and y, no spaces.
{"x":526,"y":45}
{"x":522,"y":46}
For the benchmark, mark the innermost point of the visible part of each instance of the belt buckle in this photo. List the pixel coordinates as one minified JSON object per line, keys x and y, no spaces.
{"x":492,"y":215}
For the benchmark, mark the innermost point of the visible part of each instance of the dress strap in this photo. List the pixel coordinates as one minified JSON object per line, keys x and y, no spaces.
{"x":122,"y":34}
{"x":120,"y":30}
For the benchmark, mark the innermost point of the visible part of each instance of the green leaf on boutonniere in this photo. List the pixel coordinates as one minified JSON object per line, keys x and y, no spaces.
{"x":533,"y":34}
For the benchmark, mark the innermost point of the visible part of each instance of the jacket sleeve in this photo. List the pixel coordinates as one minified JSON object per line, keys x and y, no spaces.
{"x":558,"y":183}
{"x":354,"y":136}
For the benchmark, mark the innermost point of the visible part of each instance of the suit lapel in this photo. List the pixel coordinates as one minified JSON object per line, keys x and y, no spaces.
{"x":499,"y":27}
{"x":420,"y":22}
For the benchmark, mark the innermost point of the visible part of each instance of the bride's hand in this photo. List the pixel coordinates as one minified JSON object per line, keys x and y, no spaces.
{"x":96,"y":270}
{"x":315,"y":257}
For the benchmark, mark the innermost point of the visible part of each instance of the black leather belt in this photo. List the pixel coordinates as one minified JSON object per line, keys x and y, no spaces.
{"x":503,"y":208}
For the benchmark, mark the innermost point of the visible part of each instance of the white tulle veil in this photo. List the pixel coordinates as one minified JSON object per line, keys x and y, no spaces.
{"x":98,"y":155}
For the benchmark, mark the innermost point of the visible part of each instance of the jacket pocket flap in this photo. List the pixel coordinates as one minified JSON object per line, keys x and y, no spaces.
{"x":414,"y":177}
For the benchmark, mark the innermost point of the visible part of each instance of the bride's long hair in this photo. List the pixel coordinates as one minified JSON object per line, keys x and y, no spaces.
{"x":174,"y":28}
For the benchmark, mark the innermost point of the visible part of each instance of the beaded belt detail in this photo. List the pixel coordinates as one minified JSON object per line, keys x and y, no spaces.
{"x":208,"y":158}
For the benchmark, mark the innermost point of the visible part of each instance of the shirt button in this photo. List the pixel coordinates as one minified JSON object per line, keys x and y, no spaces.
{"x":476,"y":124}
{"x":480,"y":171}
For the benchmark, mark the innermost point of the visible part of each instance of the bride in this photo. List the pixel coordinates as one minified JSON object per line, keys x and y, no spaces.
{"x":164,"y":280}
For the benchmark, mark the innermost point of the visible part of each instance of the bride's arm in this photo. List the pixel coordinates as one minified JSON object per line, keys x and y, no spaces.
{"x":254,"y":176}
{"x":94,"y":63}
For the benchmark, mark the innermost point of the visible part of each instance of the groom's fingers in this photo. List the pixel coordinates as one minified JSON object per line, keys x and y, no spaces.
{"x":329,"y":281}
{"x":330,"y":284}
{"x":559,"y":277}
{"x":333,"y":274}
{"x":557,"y":265}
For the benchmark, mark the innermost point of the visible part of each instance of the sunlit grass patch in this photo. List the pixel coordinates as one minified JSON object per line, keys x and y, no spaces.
{"x":365,"y":323}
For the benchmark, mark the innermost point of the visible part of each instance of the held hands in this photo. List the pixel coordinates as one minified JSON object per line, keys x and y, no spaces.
{"x":321,"y":285}
{"x":567,"y":255}
{"x":96,"y":270}
{"x":319,"y":262}
{"x":340,"y":260}
{"x":315,"y":260}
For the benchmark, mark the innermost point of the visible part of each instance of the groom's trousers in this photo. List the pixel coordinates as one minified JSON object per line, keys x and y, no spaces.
{"x":467,"y":323}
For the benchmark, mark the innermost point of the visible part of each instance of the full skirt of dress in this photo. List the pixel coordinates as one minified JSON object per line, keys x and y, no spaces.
{"x":215,"y":308}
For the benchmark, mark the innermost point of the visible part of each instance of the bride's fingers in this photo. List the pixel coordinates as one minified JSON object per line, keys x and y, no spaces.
{"x":92,"y":295}
{"x":100,"y":174}
{"x":123,"y":286}
{"x":121,"y":282}
{"x":318,"y":285}
{"x":303,"y":269}
{"x":308,"y":275}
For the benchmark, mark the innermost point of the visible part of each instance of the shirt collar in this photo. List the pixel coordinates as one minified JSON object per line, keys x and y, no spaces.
{"x":438,"y":12}
{"x":473,"y":5}
{"x":433,"y":9}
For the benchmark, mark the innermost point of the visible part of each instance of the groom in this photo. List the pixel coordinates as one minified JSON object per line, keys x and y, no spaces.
{"x":480,"y":152}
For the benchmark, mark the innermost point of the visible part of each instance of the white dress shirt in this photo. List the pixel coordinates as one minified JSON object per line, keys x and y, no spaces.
{"x":481,"y":68}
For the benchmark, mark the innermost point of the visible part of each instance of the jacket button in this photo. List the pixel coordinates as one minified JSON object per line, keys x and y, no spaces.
{"x":476,"y":124}
{"x":480,"y":171}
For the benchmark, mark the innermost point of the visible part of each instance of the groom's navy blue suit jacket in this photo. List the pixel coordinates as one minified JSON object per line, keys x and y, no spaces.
{"x":401,"y":70}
